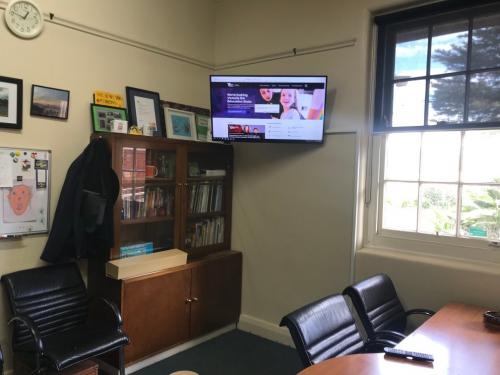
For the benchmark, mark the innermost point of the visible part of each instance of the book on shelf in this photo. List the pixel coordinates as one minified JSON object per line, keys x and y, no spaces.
{"x":205,"y":197}
{"x":205,"y":232}
{"x":213,"y":172}
{"x":136,"y":249}
{"x":153,"y":201}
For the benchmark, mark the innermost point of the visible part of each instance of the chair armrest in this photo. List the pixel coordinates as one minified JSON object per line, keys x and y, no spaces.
{"x":111,"y":307}
{"x":378,"y":345}
{"x":390,"y":335}
{"x":35,"y":333}
{"x":420,"y":312}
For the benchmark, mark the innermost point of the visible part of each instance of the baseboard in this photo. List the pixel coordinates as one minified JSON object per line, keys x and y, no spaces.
{"x":265,"y":329}
{"x":168,"y":353}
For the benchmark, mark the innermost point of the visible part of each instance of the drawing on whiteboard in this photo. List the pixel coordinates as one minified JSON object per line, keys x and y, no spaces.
{"x":17,"y":202}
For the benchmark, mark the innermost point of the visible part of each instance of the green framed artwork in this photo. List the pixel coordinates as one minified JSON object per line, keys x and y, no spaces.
{"x":203,"y":128}
{"x":103,"y":116}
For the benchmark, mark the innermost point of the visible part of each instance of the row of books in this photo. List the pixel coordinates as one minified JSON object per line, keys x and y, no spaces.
{"x":136,"y":249}
{"x":157,"y":201}
{"x":205,"y":197}
{"x":205,"y":232}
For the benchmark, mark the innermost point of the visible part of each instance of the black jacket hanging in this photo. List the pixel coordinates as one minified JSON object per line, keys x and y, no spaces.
{"x":83,"y":221}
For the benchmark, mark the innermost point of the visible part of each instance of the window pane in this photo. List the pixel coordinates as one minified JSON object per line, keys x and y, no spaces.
{"x":438,"y":209}
{"x":411,"y":54}
{"x":481,"y":156}
{"x":402,"y":155}
{"x":484,"y":100}
{"x":408,"y":103}
{"x":449,"y":47}
{"x":446,"y":100}
{"x":440,"y":156}
{"x":400,"y":206}
{"x":485,"y":42}
{"x":480,"y":212}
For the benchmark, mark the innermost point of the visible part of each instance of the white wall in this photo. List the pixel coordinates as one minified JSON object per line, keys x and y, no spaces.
{"x":68,"y":59}
{"x":274,"y":282}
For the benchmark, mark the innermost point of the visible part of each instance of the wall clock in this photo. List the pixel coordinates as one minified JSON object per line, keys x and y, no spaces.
{"x":24,"y":18}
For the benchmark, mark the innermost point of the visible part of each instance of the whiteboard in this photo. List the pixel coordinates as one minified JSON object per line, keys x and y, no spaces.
{"x":24,"y":191}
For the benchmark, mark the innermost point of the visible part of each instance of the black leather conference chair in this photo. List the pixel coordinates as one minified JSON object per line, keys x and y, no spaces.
{"x":325,"y":329}
{"x":379,"y":308}
{"x":55,"y":324}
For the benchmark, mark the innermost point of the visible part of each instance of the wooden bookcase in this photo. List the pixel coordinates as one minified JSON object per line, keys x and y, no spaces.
{"x":173,"y":194}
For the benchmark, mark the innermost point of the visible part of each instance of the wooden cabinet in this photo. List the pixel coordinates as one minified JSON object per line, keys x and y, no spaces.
{"x":173,"y":194}
{"x":174,"y":306}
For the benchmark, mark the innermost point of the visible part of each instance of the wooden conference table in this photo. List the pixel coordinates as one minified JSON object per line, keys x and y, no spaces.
{"x":456,"y":336}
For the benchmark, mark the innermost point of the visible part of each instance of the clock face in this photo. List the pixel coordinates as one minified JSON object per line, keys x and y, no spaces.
{"x":24,"y":18}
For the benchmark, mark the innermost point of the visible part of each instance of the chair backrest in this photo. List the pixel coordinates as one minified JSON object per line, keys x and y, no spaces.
{"x":377,"y":304}
{"x":323,"y":329}
{"x":54,"y":297}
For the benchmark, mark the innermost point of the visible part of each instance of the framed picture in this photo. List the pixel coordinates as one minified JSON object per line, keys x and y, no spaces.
{"x":203,"y":128}
{"x":144,"y":110}
{"x":103,"y":116}
{"x":11,"y":103}
{"x":180,"y":124}
{"x":49,"y":102}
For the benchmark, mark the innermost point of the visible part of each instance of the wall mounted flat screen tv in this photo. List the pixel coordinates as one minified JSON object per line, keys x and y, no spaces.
{"x":268,"y":108}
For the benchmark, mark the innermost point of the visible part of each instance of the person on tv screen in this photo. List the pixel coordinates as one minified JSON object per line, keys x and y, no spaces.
{"x":268,"y":96}
{"x":288,"y":100}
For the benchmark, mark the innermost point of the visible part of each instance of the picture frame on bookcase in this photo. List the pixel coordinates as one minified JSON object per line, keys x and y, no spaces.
{"x":180,"y":124}
{"x":203,"y":128}
{"x":103,"y":116}
{"x":145,"y":111}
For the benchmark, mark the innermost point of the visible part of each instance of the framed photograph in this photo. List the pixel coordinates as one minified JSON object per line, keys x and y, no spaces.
{"x":103,"y":116}
{"x":180,"y":124}
{"x":203,"y":128}
{"x":11,"y":103}
{"x":144,"y":110}
{"x":49,"y":102}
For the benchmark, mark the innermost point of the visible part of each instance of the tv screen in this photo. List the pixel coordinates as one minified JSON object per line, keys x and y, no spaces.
{"x":268,"y":108}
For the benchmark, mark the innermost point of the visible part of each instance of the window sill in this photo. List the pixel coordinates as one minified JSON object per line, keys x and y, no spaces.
{"x":431,"y":259}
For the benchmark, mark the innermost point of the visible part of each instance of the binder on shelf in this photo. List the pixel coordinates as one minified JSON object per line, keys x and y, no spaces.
{"x":136,"y":249}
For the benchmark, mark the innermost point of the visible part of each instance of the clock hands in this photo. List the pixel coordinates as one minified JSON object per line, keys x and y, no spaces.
{"x":23,"y":17}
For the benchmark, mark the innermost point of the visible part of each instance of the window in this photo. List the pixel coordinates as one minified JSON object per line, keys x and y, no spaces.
{"x":442,"y":183}
{"x":437,"y":115}
{"x":439,"y":72}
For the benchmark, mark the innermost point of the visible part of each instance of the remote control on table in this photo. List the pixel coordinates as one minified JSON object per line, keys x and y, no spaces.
{"x":407,"y":354}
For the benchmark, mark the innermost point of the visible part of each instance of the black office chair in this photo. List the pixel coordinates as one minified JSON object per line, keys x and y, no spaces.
{"x":325,"y":329}
{"x":55,"y":326}
{"x":379,"y":308}
{"x":1,"y":361}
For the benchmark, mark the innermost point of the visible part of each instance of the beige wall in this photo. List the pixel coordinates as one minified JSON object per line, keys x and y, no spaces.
{"x":280,"y":274}
{"x":79,"y":62}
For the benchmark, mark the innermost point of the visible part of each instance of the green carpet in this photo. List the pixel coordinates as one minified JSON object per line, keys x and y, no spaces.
{"x":233,"y":353}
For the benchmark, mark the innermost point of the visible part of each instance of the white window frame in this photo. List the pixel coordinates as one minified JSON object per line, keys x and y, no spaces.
{"x":414,"y":242}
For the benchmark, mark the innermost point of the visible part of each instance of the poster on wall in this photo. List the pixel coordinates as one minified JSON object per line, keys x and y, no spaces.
{"x":24,"y":191}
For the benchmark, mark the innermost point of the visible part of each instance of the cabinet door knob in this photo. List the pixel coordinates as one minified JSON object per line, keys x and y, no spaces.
{"x":195,"y":299}
{"x":189,"y":300}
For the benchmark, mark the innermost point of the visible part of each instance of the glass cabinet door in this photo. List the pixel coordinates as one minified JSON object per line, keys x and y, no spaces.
{"x":147,"y":200}
{"x":206,"y":206}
